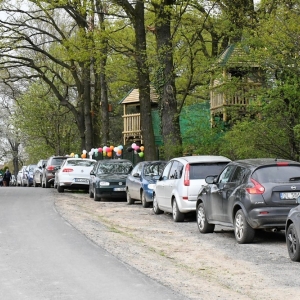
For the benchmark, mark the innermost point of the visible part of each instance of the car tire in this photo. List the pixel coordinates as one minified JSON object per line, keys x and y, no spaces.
{"x":91,"y":194}
{"x":292,"y":242}
{"x":60,"y":189}
{"x":243,"y":232}
{"x":177,"y":215}
{"x":96,"y":198}
{"x":145,"y":204}
{"x":202,"y":223}
{"x":129,"y":200}
{"x":156,"y":209}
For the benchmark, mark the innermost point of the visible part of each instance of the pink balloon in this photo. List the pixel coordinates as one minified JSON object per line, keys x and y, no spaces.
{"x":100,"y":150}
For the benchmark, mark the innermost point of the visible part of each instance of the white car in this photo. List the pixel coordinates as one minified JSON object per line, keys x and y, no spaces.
{"x":177,"y":189}
{"x":74,"y":173}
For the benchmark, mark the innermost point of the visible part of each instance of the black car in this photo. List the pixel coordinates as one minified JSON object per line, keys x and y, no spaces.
{"x":292,"y":232}
{"x":108,"y":178}
{"x":249,"y":194}
{"x":49,"y":169}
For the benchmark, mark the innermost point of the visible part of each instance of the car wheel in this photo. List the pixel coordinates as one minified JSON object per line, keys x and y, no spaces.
{"x":203,"y":225}
{"x":96,"y":198}
{"x":145,"y":204}
{"x":292,"y":242}
{"x":243,"y":232}
{"x":177,"y":215}
{"x":60,"y":189}
{"x":156,"y":209}
{"x":128,"y":198}
{"x":91,"y":194}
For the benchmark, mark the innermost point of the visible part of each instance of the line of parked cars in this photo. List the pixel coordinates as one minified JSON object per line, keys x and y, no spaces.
{"x":247,"y":195}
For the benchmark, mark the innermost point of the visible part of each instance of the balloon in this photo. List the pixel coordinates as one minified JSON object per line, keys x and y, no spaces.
{"x":76,"y":155}
{"x":129,"y":149}
{"x":112,"y":147}
{"x":100,"y":150}
{"x":119,"y":154}
{"x":104,"y":148}
{"x":120,"y":147}
{"x":142,"y":148}
{"x":141,"y":154}
{"x":96,"y":154}
{"x":108,"y":150}
{"x":133,"y":145}
{"x":72,"y":154}
{"x":95,"y":150}
{"x":84,"y":151}
{"x":83,"y":155}
{"x":109,"y":154}
{"x":138,"y":150}
{"x":119,"y":151}
{"x":104,"y":153}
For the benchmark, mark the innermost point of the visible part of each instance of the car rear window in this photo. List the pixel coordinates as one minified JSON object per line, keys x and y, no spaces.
{"x":57,"y":161}
{"x":201,"y":171}
{"x":83,"y":163}
{"x":277,"y":174}
{"x":114,"y":168}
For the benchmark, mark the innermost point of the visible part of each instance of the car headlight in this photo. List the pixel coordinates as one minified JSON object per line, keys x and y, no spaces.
{"x":151,"y":186}
{"x":104,"y":183}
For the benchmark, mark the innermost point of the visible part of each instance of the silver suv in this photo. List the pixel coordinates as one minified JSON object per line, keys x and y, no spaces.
{"x":177,"y":189}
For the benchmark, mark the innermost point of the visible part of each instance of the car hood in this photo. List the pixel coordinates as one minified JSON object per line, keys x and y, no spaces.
{"x":112,"y":176}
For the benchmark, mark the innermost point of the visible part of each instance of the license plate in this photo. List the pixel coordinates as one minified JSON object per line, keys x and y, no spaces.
{"x":81,"y":180}
{"x":120,"y":189}
{"x":288,"y":196}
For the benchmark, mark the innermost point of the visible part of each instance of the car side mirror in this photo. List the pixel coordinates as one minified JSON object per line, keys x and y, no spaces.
{"x":136,"y":175}
{"x":211,"y":179}
{"x":92,"y":173}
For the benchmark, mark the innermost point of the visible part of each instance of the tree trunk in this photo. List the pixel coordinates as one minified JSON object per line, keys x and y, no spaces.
{"x":144,"y":83}
{"x":166,"y":79}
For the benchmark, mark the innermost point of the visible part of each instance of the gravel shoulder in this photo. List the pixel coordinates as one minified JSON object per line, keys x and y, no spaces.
{"x":198,"y":266}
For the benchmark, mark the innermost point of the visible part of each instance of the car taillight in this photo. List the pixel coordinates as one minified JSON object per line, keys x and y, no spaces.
{"x":67,"y":170}
{"x":282,"y":163}
{"x":187,"y":175}
{"x":50,"y":168}
{"x":256,"y":189}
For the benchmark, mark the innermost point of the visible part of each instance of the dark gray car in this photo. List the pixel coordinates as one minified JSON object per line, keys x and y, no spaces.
{"x":249,"y":194}
{"x":293,"y":232}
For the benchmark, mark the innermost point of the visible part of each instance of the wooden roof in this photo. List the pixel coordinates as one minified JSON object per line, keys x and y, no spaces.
{"x":133,"y":96}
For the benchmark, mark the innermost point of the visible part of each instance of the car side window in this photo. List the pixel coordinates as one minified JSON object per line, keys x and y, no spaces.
{"x":225,"y":175}
{"x":176,"y":170}
{"x":166,"y":170}
{"x":238,"y":174}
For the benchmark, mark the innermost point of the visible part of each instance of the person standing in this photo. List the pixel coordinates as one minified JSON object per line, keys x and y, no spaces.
{"x":6,"y":178}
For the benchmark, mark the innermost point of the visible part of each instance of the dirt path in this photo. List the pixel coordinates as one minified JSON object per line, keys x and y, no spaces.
{"x":198,"y":266}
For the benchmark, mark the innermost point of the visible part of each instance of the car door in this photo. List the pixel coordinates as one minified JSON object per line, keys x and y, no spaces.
{"x":214,"y":203}
{"x":231,"y":193}
{"x":135,"y":181}
{"x":161,"y":184}
{"x":170,"y":183}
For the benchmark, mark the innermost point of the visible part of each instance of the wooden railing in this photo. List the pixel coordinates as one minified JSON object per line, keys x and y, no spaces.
{"x":132,"y":125}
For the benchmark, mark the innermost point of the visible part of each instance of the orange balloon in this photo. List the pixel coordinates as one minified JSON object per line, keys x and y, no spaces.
{"x":112,"y":147}
{"x":83,"y":155}
{"x":109,"y":154}
{"x":142,"y":148}
{"x":119,"y":151}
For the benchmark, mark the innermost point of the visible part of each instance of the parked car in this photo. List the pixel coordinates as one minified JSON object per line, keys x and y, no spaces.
{"x":249,"y":194}
{"x":13,"y":180}
{"x":49,"y":169}
{"x":137,"y":182}
{"x":38,"y":173}
{"x":292,"y":232}
{"x":74,"y":173}
{"x":1,"y":180}
{"x":21,"y":176}
{"x":108,"y":178}
{"x":177,"y":189}
{"x":28,"y":180}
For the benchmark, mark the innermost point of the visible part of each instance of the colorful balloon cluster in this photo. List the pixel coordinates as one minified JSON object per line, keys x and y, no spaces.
{"x":106,"y":151}
{"x":137,"y":149}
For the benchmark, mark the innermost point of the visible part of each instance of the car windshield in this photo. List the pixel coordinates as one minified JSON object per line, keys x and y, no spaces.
{"x":201,"y":171}
{"x":112,"y":168}
{"x":57,"y":161}
{"x":31,"y":168}
{"x":154,"y":169}
{"x":80,"y":163}
{"x":277,"y":174}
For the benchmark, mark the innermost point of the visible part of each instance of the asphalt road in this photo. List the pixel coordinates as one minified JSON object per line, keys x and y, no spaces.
{"x":43,"y":257}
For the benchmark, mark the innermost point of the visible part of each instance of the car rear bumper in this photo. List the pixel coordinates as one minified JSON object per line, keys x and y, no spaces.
{"x":269,"y":217}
